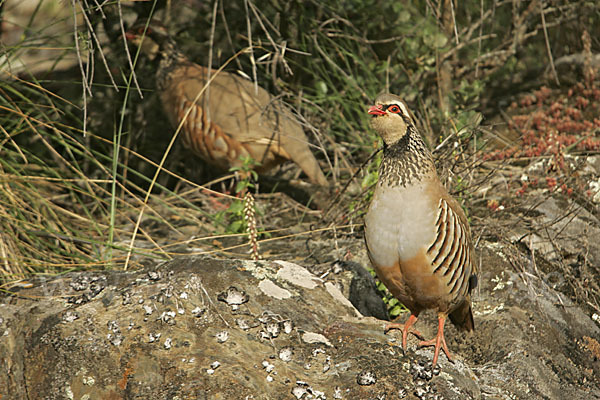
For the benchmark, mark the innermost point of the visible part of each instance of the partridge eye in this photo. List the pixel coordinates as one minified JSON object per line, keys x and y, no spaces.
{"x":394,"y":109}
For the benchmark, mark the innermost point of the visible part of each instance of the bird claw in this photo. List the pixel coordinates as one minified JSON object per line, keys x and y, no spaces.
{"x":438,"y":343}
{"x":406,"y":329}
{"x":432,"y":342}
{"x":395,"y":325}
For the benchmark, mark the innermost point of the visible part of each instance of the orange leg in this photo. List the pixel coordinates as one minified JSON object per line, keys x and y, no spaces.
{"x":439,"y":341}
{"x":406,"y":329}
{"x":214,"y":198}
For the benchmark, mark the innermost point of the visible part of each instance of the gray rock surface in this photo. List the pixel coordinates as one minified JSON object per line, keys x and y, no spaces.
{"x":201,"y":328}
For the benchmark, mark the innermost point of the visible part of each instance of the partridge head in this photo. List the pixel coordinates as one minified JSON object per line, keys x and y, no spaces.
{"x":225,"y":119}
{"x":418,"y":237}
{"x":397,"y":118}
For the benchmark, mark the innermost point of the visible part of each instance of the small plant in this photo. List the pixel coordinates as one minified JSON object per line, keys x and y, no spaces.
{"x":552,"y":125}
{"x":242,"y":212}
{"x":246,"y":175}
{"x":394,"y":307}
{"x":251,"y":226}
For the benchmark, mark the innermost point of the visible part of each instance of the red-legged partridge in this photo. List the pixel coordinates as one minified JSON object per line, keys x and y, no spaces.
{"x":417,"y":235}
{"x":230,"y":120}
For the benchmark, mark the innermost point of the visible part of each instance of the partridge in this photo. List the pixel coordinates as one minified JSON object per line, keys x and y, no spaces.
{"x":417,"y":236}
{"x":230,"y":120}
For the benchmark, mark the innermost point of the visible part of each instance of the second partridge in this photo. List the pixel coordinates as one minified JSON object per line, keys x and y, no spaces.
{"x":418,"y":237}
{"x":231,"y":119}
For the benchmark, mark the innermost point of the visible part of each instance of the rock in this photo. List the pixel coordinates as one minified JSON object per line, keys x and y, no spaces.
{"x":174,"y":332}
{"x":362,"y":290}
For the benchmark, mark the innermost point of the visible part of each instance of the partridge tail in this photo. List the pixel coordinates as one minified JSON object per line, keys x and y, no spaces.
{"x":462,"y":317}
{"x":294,"y":146}
{"x":296,"y":149}
{"x":309,"y":165}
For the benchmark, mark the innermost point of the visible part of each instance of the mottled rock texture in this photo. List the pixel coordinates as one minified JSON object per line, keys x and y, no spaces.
{"x":201,"y":328}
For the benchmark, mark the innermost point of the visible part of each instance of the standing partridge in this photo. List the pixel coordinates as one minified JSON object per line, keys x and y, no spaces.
{"x":417,"y":235}
{"x":230,"y":120}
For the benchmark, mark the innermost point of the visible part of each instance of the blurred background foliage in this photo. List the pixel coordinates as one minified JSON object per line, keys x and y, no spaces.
{"x":82,"y":134}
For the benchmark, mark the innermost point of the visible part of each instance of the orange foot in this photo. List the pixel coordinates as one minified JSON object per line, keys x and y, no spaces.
{"x":214,"y":199}
{"x":406,"y":329}
{"x":439,"y":342}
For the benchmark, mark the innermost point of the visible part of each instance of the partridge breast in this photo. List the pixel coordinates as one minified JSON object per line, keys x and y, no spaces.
{"x":396,"y":226}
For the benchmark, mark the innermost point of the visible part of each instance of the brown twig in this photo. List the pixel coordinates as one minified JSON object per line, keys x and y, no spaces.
{"x":548,"y":49}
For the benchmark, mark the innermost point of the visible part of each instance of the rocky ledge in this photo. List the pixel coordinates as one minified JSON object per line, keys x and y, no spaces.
{"x":217,"y":329}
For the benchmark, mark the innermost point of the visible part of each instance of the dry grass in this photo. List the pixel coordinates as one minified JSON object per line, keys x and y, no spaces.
{"x":88,"y":179}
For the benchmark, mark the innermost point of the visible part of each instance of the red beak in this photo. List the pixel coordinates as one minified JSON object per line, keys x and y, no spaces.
{"x":376,"y":110}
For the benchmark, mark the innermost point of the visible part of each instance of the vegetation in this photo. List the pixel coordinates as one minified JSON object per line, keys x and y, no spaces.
{"x":90,"y":173}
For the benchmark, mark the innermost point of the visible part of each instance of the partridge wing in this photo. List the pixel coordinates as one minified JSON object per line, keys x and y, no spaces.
{"x":451,"y":250}
{"x":201,"y":132}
